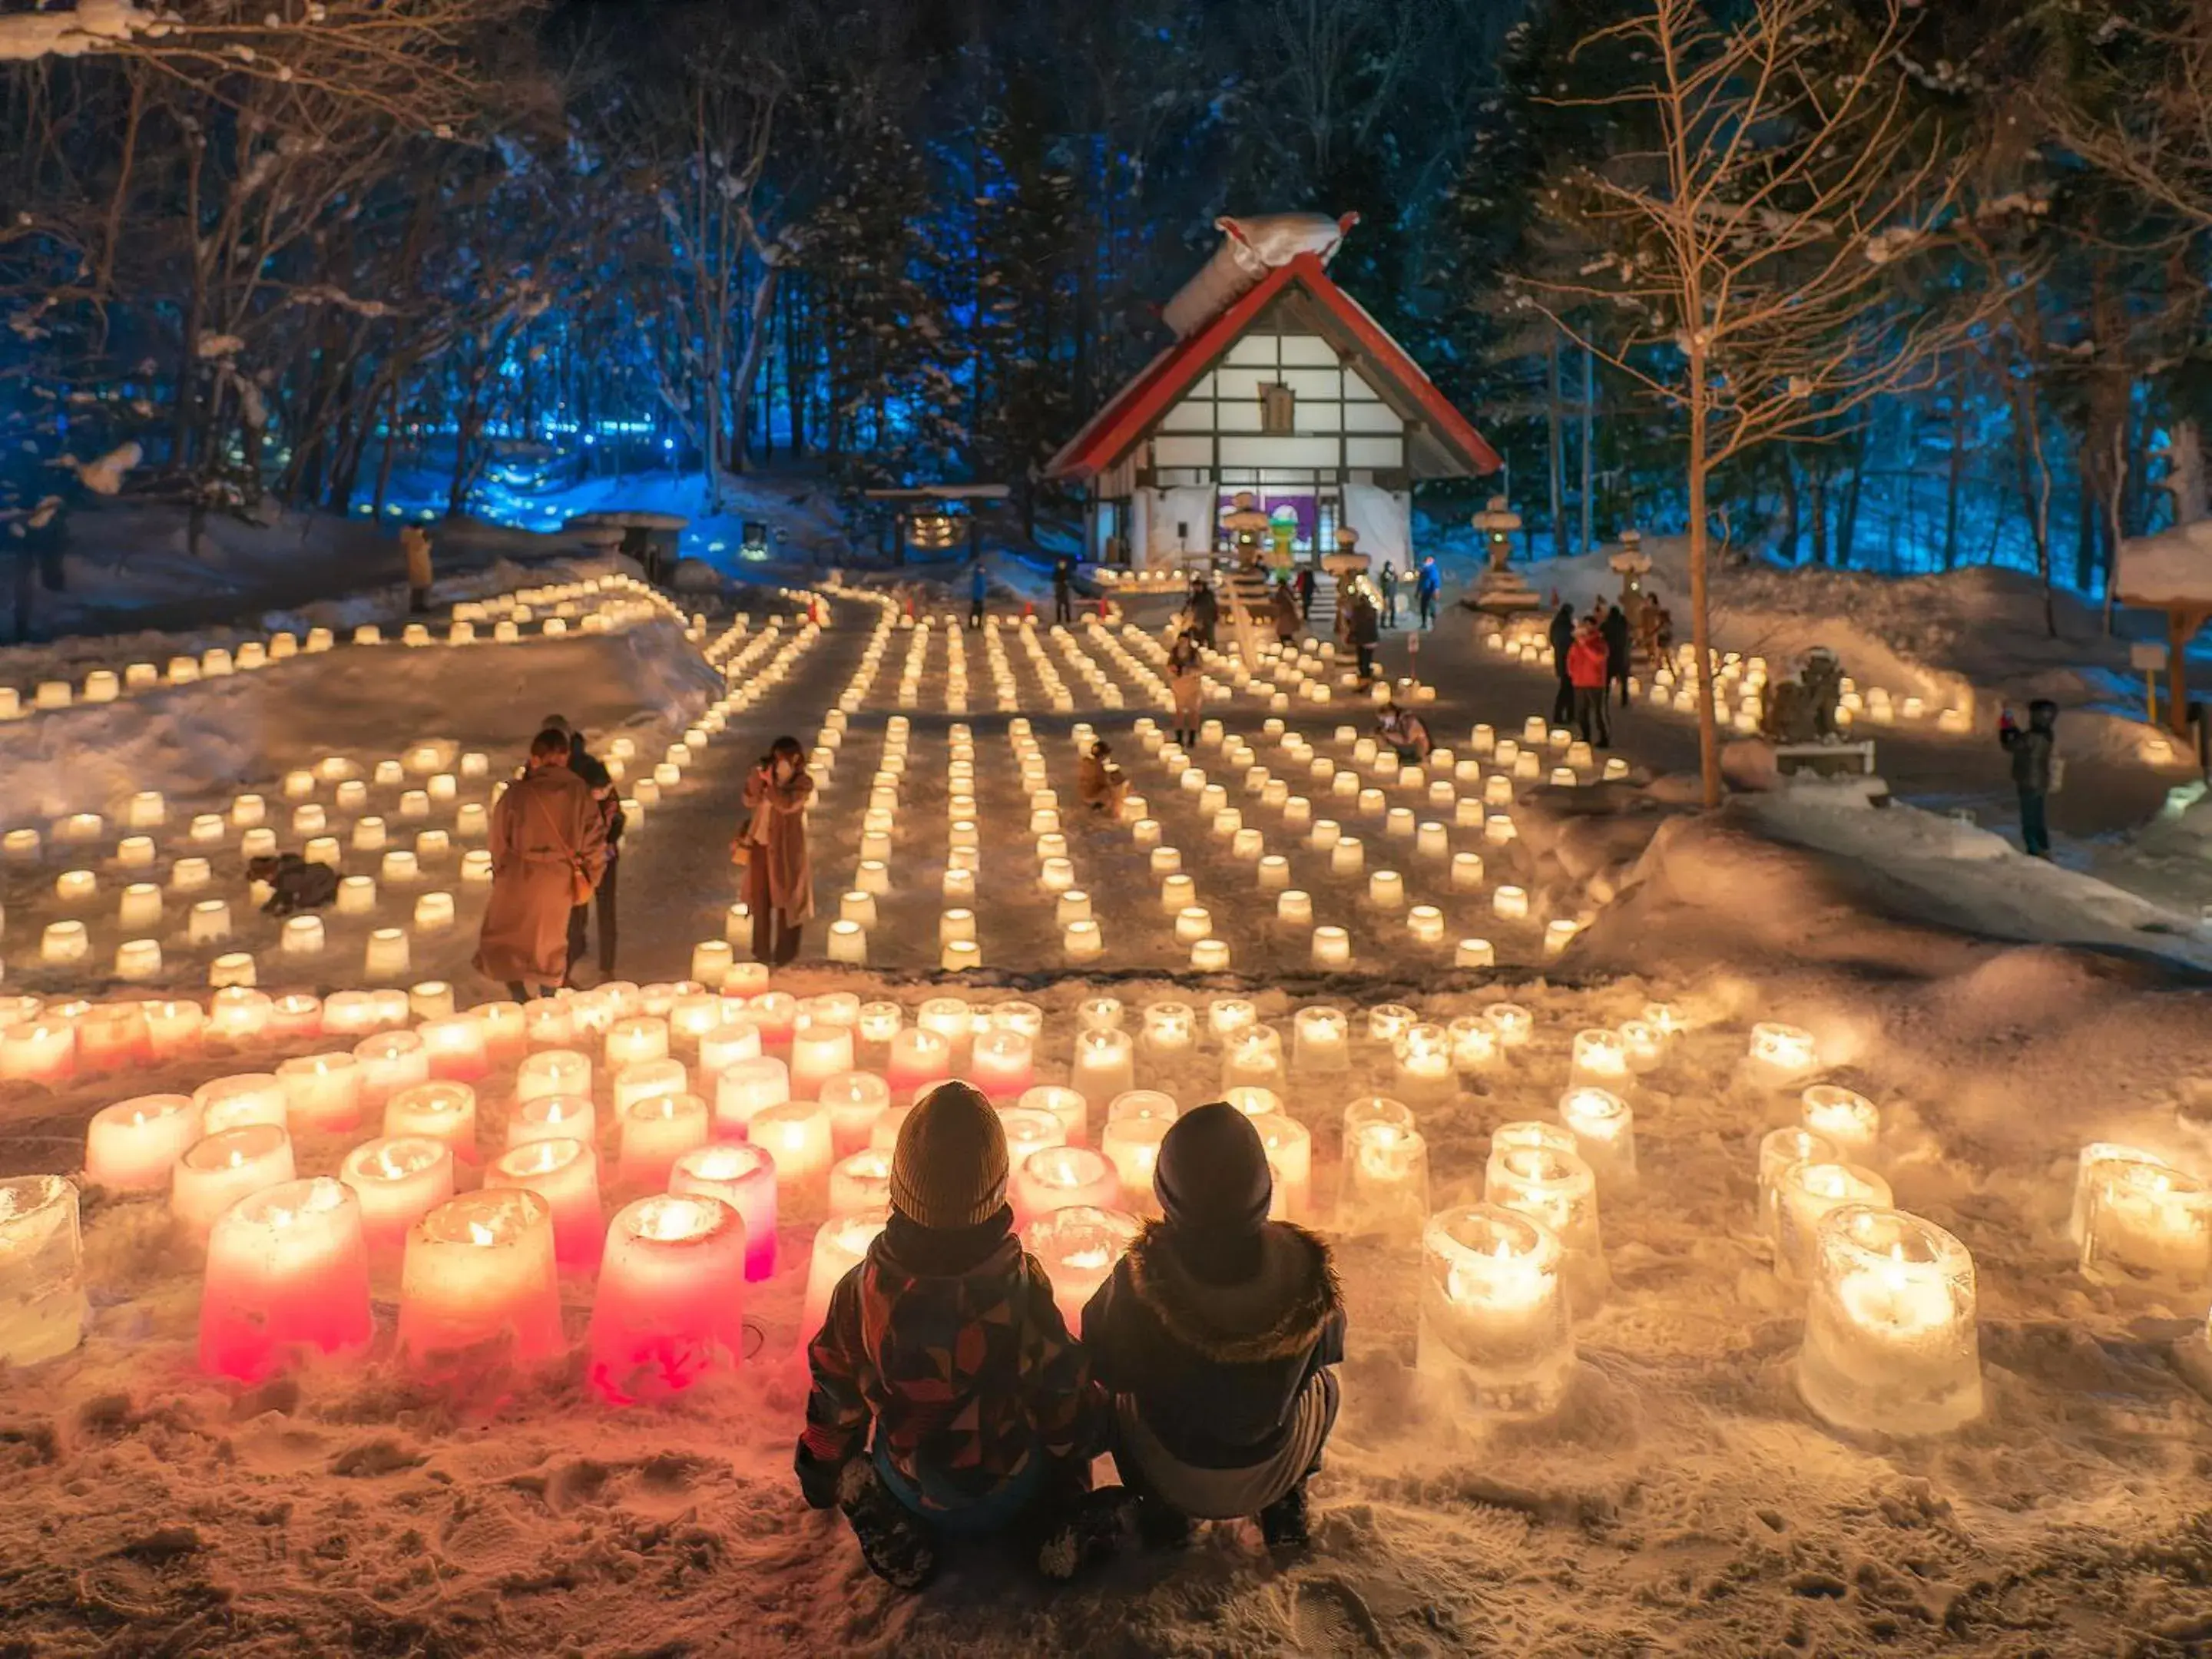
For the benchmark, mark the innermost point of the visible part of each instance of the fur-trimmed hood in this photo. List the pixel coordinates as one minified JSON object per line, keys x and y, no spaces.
{"x":1278,"y":1314}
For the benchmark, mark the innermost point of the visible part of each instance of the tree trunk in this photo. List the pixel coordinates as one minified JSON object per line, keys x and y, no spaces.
{"x":1701,"y":627}
{"x":1955,"y":478}
{"x":1786,"y":544}
{"x":747,"y":370}
{"x":1553,"y":443}
{"x":391,"y":439}
{"x":1819,"y":483}
{"x":1847,"y":522}
{"x":1589,"y":415}
{"x":188,"y":347}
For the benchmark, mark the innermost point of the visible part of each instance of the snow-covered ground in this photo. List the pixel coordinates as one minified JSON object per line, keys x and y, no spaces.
{"x":1683,"y":1499}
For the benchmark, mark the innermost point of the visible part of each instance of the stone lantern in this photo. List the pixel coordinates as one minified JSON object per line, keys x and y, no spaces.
{"x":1501,"y":590}
{"x":1631,"y":564}
{"x":1247,"y":527}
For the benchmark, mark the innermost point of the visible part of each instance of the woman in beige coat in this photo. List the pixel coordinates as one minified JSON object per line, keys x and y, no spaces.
{"x":779,"y":878}
{"x":545,"y":830}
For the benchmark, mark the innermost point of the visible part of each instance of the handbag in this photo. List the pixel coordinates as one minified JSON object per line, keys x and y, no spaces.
{"x":741,"y":845}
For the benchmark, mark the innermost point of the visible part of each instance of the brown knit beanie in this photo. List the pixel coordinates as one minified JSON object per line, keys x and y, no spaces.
{"x":949,"y":1168}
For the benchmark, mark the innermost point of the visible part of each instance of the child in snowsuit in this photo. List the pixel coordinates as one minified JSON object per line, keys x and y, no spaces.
{"x":948,"y":1396}
{"x":1215,"y":1336}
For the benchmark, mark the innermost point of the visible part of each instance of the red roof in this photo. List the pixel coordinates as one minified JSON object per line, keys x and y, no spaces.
{"x":1131,"y":413}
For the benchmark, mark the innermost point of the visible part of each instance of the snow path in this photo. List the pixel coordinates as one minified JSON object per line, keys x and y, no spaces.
{"x":1682,"y":1499}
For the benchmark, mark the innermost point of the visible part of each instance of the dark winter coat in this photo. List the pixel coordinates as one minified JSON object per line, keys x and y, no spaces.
{"x":1288,"y":615}
{"x":593,"y":771}
{"x":1366,"y":627}
{"x":1563,"y":638}
{"x":2031,"y":752}
{"x":1615,"y":630}
{"x":1215,"y":1371}
{"x":963,"y":1379}
{"x":1204,"y":607}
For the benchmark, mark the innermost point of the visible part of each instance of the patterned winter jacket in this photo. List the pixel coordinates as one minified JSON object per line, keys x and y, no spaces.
{"x":964,"y":1378}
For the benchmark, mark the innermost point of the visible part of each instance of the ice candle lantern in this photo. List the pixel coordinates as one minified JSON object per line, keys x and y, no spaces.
{"x":1803,"y":1194}
{"x":2148,"y":1226}
{"x":743,"y":1177}
{"x":218,"y":1170}
{"x":479,"y":1286}
{"x":1780,"y":1055}
{"x":1604,"y":1129}
{"x":796,"y":1135}
{"x":1494,"y":1329}
{"x":132,"y":1146}
{"x":566,"y":1175}
{"x":1850,"y":1122}
{"x":1890,"y":1346}
{"x":287,"y":1275}
{"x":1103,"y":1066}
{"x":670,"y":1300}
{"x":398,"y":1182}
{"x":1777,"y":1149}
{"x":42,"y":1300}
{"x":1385,"y":1186}
{"x":1560,"y":1189}
{"x":1078,"y":1246}
{"x":841,"y":1243}
{"x":1063,"y":1177}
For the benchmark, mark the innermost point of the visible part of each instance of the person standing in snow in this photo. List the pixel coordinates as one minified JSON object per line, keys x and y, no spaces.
{"x":1205,"y":609}
{"x":1587,"y":672}
{"x":1188,"y":687}
{"x":1215,"y":1338}
{"x":1362,"y":630}
{"x":948,"y":1398}
{"x":1426,"y":589}
{"x":415,"y":548}
{"x":588,"y":766}
{"x":779,"y":875}
{"x":1306,"y":585}
{"x":979,"y":589}
{"x":1063,"y":590}
{"x":1563,"y":642}
{"x":1617,"y":658}
{"x":1288,"y":617}
{"x":548,"y":840}
{"x":1387,"y":585}
{"x":2033,"y":770}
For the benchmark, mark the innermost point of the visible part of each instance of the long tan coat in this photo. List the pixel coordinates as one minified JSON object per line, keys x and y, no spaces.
{"x":415,"y":544}
{"x":780,"y":873}
{"x":545,"y":824}
{"x":1185,"y":680}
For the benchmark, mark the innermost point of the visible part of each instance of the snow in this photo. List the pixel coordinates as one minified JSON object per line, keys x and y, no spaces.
{"x":91,"y":26}
{"x":2174,"y":566}
{"x":104,"y":476}
{"x":1682,"y":1499}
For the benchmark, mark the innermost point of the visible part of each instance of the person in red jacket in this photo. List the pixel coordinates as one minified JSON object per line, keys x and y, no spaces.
{"x":1586,"y":672}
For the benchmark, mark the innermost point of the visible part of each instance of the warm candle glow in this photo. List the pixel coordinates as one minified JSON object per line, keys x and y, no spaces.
{"x":670,"y":1303}
{"x":42,"y":1299}
{"x":287,"y":1275}
{"x":398,"y":1182}
{"x":565,"y":1173}
{"x":1494,"y":1331}
{"x":1079,"y":1247}
{"x":1890,"y":1344}
{"x":218,"y":1170}
{"x":479,"y":1292}
{"x":743,"y":1177}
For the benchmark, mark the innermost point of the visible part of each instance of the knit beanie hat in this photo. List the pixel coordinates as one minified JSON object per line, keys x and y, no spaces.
{"x":1212,"y":1176}
{"x":949,"y":1168}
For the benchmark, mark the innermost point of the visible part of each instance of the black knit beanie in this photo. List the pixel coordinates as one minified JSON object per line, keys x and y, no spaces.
{"x":1214,"y":1187}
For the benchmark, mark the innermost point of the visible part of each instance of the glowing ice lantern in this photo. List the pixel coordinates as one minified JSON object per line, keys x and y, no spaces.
{"x":1131,"y":1145}
{"x":1778,"y":1149}
{"x":479,"y":1288}
{"x":746,"y":1087}
{"x":233,"y":1102}
{"x":1331,"y":947}
{"x":1890,"y":1344}
{"x":1604,"y":1129}
{"x":218,"y":1170}
{"x":42,"y":1299}
{"x":321,"y":1091}
{"x":441,"y":1111}
{"x":669,"y":1301}
{"x":1559,"y":1189}
{"x":1804,"y":1194}
{"x":64,"y":942}
{"x":1425,"y":1066}
{"x":1077,"y":1245}
{"x":1781,"y":1055}
{"x":1288,"y":1148}
{"x":633,"y":1040}
{"x":1425,"y":924}
{"x":841,"y":1244}
{"x":287,"y":1276}
{"x":1103,"y":1065}
{"x":565,"y":1173}
{"x":1385,"y":1186}
{"x":2148,"y":1226}
{"x":1321,"y":1040}
{"x":1850,"y":1120}
{"x":1169,"y":1027}
{"x":385,"y":956}
{"x":1510,"y":903}
{"x":1494,"y":1331}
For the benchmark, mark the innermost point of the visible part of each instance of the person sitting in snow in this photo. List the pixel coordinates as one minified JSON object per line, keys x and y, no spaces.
{"x":948,"y":1397}
{"x":1100,"y":783}
{"x":1405,"y":731}
{"x":2033,"y":772}
{"x":1214,"y":1337}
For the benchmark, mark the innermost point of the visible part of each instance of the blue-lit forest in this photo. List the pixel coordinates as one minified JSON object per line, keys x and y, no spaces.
{"x":422,"y":256}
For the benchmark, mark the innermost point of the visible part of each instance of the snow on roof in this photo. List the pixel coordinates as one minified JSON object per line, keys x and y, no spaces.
{"x":1130,"y":413}
{"x":629,"y":520}
{"x":1249,"y":249}
{"x":2171,"y":568}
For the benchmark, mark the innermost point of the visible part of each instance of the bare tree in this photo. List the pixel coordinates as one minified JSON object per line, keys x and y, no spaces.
{"x":1770,"y":169}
